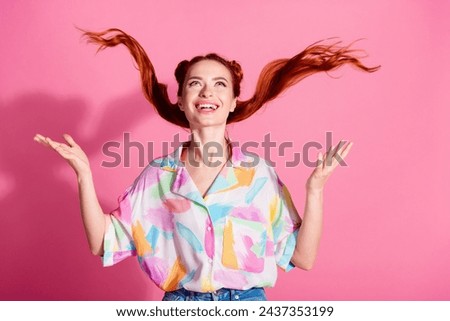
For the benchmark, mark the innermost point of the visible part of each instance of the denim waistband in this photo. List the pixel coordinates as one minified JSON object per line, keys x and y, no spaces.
{"x":224,"y":294}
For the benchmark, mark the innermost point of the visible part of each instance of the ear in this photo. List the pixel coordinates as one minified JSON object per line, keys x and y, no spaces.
{"x":233,"y":105}
{"x":179,"y":103}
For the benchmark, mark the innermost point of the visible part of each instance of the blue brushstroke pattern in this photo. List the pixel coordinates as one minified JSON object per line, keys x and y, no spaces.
{"x":152,"y":236}
{"x":218,"y":211}
{"x":259,"y":183}
{"x":167,"y":235}
{"x":219,"y":183}
{"x":189,"y":237}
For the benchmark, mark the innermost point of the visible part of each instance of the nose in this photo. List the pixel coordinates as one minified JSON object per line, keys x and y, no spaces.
{"x":206,"y":92}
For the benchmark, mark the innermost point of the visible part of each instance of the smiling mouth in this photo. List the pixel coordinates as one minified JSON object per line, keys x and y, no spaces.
{"x":206,"y":106}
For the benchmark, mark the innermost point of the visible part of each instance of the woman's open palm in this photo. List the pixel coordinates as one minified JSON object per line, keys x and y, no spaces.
{"x":326,"y":164}
{"x":71,"y":152}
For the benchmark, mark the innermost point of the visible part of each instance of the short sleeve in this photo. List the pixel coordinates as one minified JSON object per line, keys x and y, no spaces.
{"x":118,"y":240}
{"x":285,"y":226}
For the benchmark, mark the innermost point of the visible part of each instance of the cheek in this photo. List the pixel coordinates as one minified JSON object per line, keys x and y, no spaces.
{"x":185,"y":98}
{"x":228,"y":97}
{"x":189,"y":94}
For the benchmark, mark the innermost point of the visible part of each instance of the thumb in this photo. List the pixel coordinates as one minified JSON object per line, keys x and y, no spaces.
{"x":319,"y":159}
{"x":70,"y":140}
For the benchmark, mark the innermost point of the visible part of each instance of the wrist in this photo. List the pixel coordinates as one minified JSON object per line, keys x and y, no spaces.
{"x":314,"y":190}
{"x":84,"y":175}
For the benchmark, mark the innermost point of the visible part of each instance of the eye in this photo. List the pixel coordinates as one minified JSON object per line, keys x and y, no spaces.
{"x":193,"y":83}
{"x":221,"y":83}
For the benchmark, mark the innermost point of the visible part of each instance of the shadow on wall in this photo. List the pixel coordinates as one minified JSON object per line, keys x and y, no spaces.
{"x":45,"y":251}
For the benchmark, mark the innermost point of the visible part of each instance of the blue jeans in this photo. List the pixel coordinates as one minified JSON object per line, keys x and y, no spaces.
{"x":253,"y":294}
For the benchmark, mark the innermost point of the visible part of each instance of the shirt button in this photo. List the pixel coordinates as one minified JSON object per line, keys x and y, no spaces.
{"x":236,"y":297}
{"x":209,"y":228}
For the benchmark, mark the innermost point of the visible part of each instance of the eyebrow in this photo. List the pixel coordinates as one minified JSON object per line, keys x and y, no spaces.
{"x":215,"y":78}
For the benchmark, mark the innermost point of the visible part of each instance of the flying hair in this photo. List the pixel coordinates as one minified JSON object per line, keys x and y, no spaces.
{"x":275,"y":77}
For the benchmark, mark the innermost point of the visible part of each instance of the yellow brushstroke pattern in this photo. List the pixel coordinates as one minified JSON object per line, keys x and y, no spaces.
{"x":244,"y":177}
{"x":273,"y":207}
{"x":228,"y":256}
{"x":206,"y":285}
{"x":288,"y":197}
{"x":168,"y":168}
{"x":177,"y":273}
{"x":141,"y":243}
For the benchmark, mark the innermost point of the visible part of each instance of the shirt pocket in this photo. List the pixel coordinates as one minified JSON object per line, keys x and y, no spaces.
{"x":244,"y":244}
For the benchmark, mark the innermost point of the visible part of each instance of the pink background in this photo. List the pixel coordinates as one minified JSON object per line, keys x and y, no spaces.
{"x":387,"y":215}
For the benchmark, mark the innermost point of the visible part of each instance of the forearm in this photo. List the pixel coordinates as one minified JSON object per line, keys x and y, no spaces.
{"x":92,"y":214}
{"x":310,"y":232}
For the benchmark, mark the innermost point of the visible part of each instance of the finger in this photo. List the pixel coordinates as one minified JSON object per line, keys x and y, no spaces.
{"x":334,"y":152}
{"x":319,"y":159}
{"x":38,"y":136}
{"x":41,"y":140}
{"x":346,"y":150}
{"x":70,"y":140}
{"x":52,"y":143}
{"x":341,"y":153}
{"x":329,"y":156}
{"x":324,"y":159}
{"x":338,"y":147}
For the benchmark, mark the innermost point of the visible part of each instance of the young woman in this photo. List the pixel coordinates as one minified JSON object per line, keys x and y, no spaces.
{"x":208,"y":221}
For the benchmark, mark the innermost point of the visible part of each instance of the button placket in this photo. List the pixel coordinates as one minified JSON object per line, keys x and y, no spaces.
{"x":210,"y":260}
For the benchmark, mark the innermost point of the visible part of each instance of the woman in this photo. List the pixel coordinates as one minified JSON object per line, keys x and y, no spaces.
{"x":209,"y":222}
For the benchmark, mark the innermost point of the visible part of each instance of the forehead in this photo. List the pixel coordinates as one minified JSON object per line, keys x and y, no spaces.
{"x":208,"y":68}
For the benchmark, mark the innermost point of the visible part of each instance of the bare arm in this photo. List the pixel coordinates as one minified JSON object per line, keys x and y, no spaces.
{"x":94,"y":220}
{"x":310,"y":232}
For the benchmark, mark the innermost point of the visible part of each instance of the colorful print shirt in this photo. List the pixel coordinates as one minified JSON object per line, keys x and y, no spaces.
{"x":233,"y":237}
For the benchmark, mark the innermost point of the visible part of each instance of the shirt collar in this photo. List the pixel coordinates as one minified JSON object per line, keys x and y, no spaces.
{"x":172,"y":161}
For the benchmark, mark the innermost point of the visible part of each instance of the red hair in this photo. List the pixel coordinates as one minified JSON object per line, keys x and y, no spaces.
{"x":275,"y":77}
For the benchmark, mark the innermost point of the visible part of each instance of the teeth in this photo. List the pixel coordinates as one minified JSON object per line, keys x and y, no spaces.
{"x":207,"y":106}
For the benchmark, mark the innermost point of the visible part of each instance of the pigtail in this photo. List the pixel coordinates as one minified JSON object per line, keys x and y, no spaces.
{"x":280,"y":74}
{"x":154,"y":91}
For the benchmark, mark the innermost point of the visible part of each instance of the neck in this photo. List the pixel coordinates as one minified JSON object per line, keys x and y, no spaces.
{"x":208,"y":147}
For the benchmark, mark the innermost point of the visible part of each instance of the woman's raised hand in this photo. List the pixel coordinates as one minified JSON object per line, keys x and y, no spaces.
{"x":71,"y":152}
{"x":326,"y":164}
